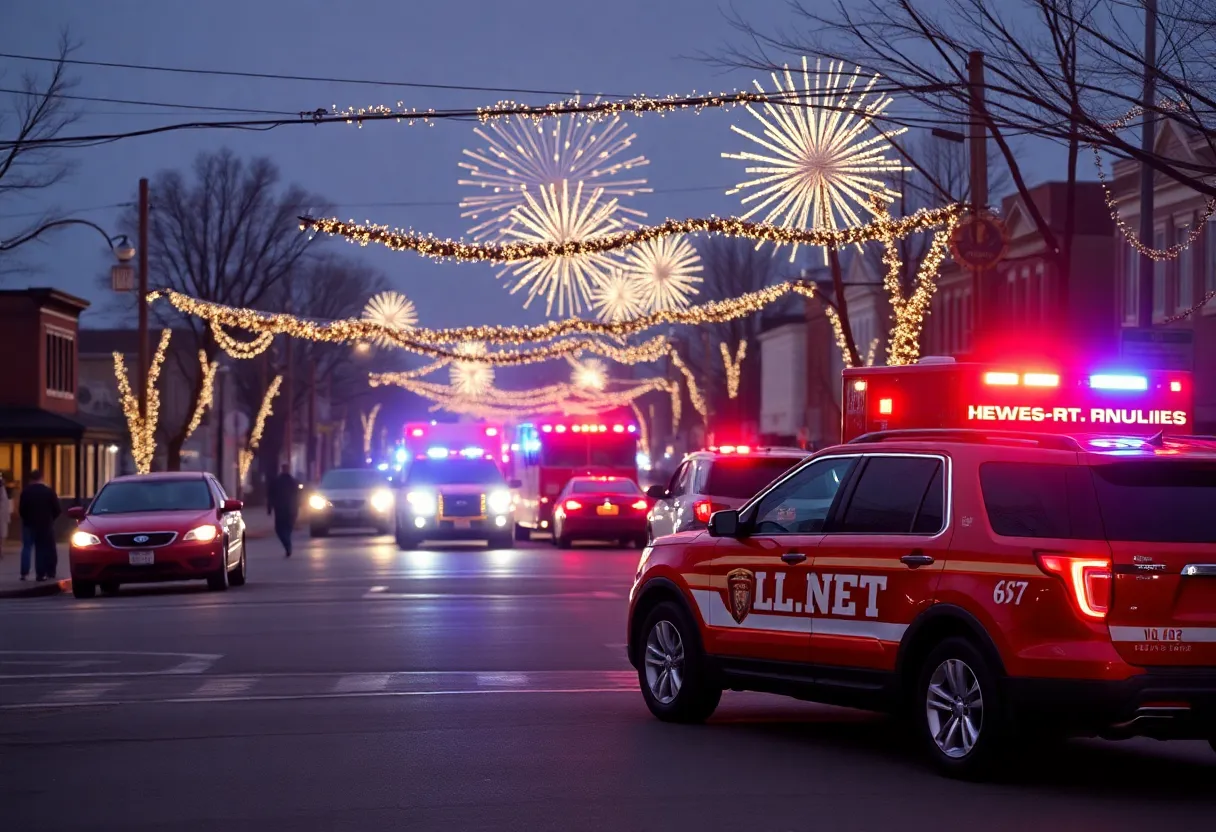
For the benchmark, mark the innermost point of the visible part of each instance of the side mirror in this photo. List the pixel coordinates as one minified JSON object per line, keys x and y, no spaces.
{"x":656,"y":492}
{"x":76,"y":513}
{"x":232,"y":505}
{"x":514,"y":484}
{"x":724,"y":524}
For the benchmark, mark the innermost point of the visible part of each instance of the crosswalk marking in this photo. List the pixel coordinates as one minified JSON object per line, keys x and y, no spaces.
{"x":84,"y":692}
{"x":227,"y":686}
{"x":362,"y":683}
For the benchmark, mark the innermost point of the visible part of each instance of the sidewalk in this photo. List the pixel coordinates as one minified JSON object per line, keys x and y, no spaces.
{"x":11,"y":585}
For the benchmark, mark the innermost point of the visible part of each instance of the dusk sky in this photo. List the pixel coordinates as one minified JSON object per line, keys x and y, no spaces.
{"x":372,"y":173}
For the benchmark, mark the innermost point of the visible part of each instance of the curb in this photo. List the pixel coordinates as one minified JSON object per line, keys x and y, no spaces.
{"x":38,"y":590}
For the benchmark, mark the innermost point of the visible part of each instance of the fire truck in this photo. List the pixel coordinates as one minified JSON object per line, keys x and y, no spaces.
{"x":546,"y":453}
{"x":995,"y":397}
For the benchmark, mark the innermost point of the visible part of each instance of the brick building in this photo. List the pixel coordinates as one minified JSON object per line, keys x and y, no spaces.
{"x":41,"y":425}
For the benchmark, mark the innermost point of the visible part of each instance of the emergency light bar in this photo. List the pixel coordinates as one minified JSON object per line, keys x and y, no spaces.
{"x":1120,"y":383}
{"x":592,"y":428}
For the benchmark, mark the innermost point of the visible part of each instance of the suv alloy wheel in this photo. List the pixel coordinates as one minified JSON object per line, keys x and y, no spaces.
{"x":671,"y":668}
{"x":958,"y":710}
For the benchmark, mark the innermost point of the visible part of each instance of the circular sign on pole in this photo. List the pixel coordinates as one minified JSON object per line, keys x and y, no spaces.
{"x":979,"y":242}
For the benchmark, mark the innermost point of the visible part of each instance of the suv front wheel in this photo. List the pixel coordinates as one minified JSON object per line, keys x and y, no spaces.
{"x":671,"y":668}
{"x":958,"y":710}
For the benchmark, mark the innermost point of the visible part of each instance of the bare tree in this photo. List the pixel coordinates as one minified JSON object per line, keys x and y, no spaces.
{"x":1062,"y":70}
{"x":27,"y":167}
{"x":228,"y":235}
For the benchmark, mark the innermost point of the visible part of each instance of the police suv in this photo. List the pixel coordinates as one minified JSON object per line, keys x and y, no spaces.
{"x":982,"y":582}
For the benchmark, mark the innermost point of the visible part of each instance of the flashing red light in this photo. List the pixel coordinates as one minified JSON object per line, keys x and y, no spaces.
{"x":641,"y":505}
{"x":491,"y":431}
{"x":1088,"y":579}
{"x":547,"y":428}
{"x":1041,"y":380}
{"x":743,"y":449}
{"x":1175,"y":386}
{"x":416,"y":432}
{"x":859,"y":386}
{"x":572,"y":505}
{"x":885,"y":407}
{"x":1002,"y":379}
{"x":618,"y":428}
{"x":560,"y":428}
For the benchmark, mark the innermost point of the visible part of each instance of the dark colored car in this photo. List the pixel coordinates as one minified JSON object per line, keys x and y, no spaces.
{"x":600,"y":508}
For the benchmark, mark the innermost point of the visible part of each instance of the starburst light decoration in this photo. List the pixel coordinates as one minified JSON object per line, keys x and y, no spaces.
{"x":563,"y":214}
{"x":666,"y":270}
{"x":392,"y":310}
{"x":471,"y":378}
{"x":591,"y":374}
{"x":822,"y":154}
{"x":523,"y":156}
{"x":618,"y":298}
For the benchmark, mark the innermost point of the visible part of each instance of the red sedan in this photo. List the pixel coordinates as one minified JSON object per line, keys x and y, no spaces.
{"x":600,"y":508}
{"x":158,"y":527}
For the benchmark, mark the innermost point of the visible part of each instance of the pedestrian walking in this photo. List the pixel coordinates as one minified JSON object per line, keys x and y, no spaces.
{"x":39,"y":508}
{"x":284,"y":503}
{"x":6,"y":513}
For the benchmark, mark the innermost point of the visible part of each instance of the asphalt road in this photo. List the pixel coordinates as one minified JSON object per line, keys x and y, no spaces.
{"x":357,"y":687}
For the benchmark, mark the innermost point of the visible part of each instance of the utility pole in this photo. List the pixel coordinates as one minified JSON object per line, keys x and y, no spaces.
{"x":288,"y":376}
{"x":312,"y":421}
{"x":979,"y":175}
{"x":142,"y":300}
{"x":1145,"y":306}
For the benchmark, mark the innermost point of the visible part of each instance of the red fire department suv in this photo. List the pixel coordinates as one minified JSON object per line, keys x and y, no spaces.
{"x":985,"y":584}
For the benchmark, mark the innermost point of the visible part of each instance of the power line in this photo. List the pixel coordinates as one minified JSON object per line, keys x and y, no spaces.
{"x":272,"y":76}
{"x":139,"y":103}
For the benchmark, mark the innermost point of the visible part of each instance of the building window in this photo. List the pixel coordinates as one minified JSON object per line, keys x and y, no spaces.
{"x":1185,"y":295}
{"x":1131,"y":284}
{"x":65,"y":471}
{"x":60,"y":363}
{"x":1159,"y":275}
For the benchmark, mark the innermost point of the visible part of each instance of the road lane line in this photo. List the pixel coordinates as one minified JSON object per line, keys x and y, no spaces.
{"x":489,"y":596}
{"x":83,"y":693}
{"x":228,"y":686}
{"x":515,"y":680}
{"x":362,"y":683}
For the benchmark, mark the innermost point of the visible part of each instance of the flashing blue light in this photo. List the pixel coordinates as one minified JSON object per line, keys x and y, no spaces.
{"x":437,"y":453}
{"x":530,"y":445}
{"x":1118,"y":444}
{"x":473,"y":453}
{"x":383,"y":466}
{"x":1109,"y":382}
{"x":400,"y":456}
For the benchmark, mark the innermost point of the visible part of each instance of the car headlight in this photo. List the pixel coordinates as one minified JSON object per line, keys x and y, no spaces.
{"x":83,"y":539}
{"x":422,"y":502}
{"x":202,"y":534}
{"x":382,"y":500}
{"x":499,"y":501}
{"x":317,"y":503}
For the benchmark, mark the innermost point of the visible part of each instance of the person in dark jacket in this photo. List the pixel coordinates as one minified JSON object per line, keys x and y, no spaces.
{"x":284,"y":502}
{"x":39,"y":508}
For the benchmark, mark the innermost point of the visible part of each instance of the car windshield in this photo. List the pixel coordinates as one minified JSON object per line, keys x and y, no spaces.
{"x":353,"y":478}
{"x":604,"y":487}
{"x":1157,"y":501}
{"x":743,"y":477}
{"x":454,"y":472}
{"x":138,"y":496}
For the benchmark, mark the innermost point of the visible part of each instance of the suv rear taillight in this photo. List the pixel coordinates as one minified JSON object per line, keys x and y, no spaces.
{"x":1088,"y":579}
{"x":701,"y":510}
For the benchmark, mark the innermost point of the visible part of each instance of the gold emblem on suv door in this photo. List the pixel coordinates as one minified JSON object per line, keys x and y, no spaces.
{"x":741,"y":589}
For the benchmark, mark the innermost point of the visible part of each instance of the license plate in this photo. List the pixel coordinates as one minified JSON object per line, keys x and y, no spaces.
{"x":608,"y":510}
{"x":142,"y":558}
{"x":462,"y":524}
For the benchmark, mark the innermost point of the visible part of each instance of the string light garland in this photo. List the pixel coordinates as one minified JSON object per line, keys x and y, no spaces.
{"x":591,"y":374}
{"x":818,"y":158}
{"x":1155,"y":254}
{"x":909,"y":313}
{"x":643,"y":433}
{"x":842,"y":343}
{"x":392,"y":311}
{"x":245,"y":457}
{"x":677,"y":405}
{"x":207,"y":369}
{"x":872,"y":352}
{"x":431,"y":246}
{"x":369,"y":428}
{"x":521,"y":158}
{"x":734,"y":366}
{"x":1172,"y":319}
{"x":240,"y":349}
{"x":694,"y":392}
{"x":426,"y":341}
{"x":142,"y":428}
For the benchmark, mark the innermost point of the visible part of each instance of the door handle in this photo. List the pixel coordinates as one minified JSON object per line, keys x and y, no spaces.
{"x":916,"y":559}
{"x":793,"y":557}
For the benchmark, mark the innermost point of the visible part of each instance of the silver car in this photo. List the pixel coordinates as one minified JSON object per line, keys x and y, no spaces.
{"x":713,"y":480}
{"x":350,"y":498}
